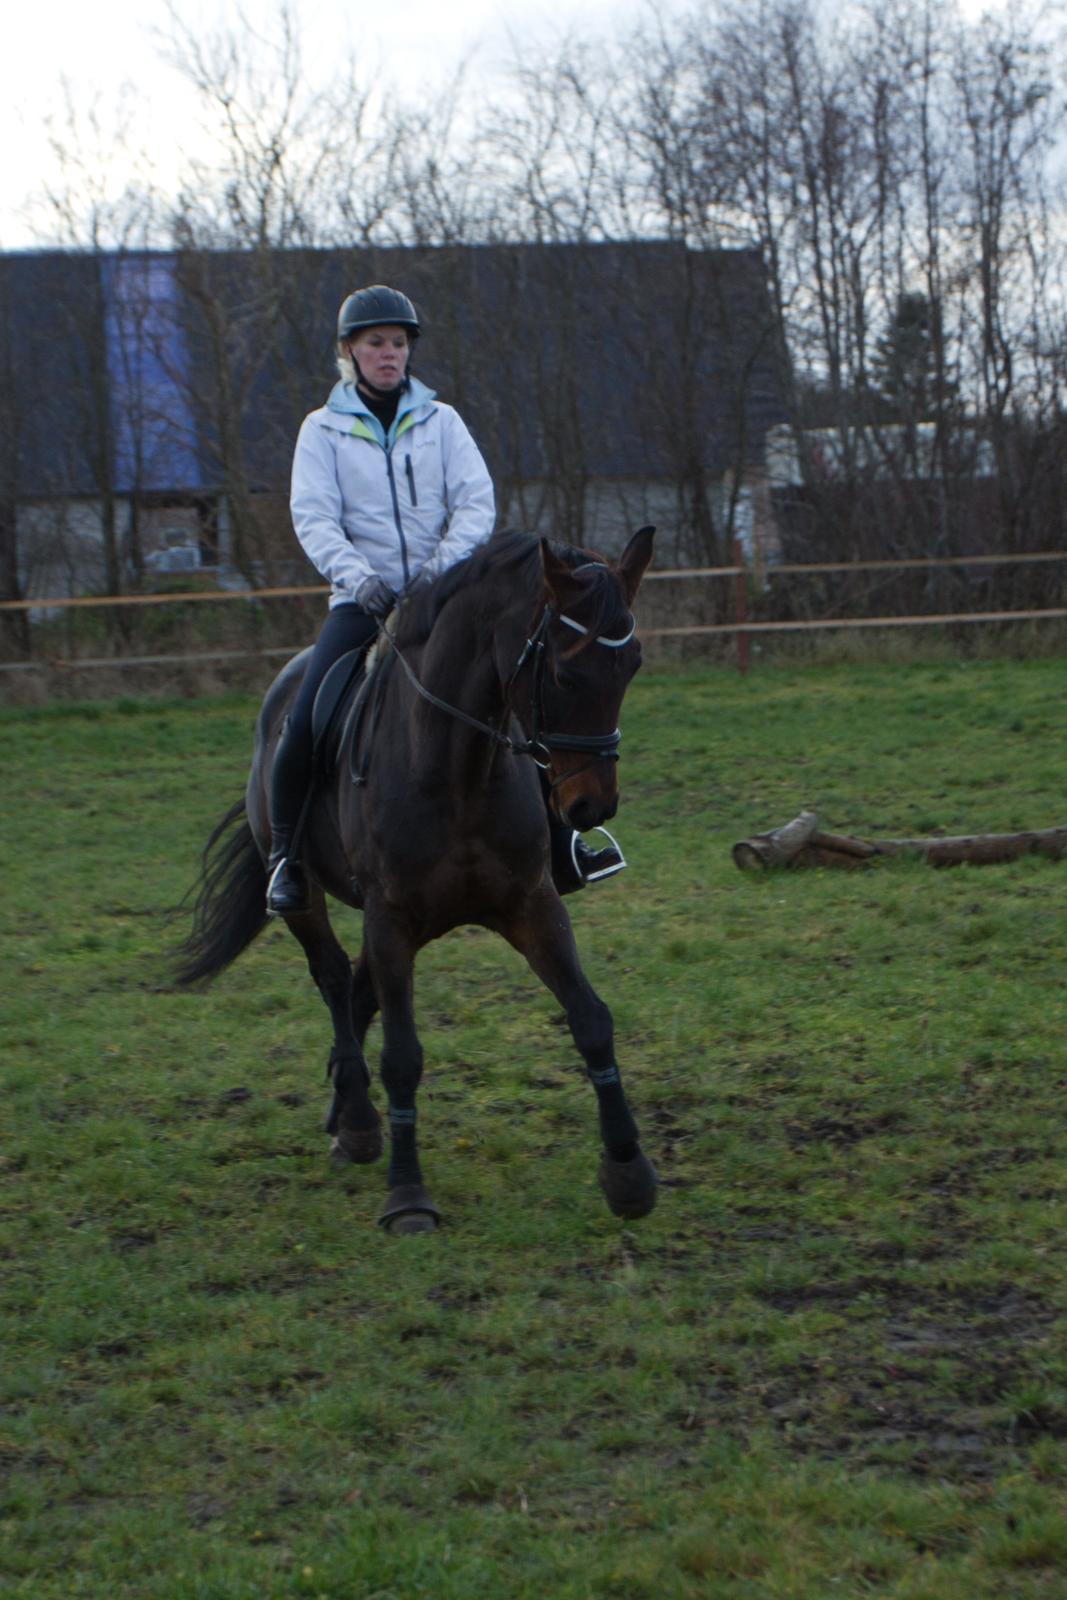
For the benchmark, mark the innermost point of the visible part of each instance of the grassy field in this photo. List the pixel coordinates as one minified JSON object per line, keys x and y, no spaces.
{"x":831,"y":1363}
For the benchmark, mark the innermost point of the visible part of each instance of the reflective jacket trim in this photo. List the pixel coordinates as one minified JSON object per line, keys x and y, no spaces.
{"x":362,"y":430}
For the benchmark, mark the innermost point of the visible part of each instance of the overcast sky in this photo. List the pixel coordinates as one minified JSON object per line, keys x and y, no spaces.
{"x":95,"y":50}
{"x":98,"y":49}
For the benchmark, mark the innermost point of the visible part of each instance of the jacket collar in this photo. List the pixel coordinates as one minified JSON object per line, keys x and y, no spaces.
{"x":346,"y":400}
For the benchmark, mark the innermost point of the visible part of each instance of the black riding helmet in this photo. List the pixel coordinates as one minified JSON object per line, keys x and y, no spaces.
{"x":376,"y":307}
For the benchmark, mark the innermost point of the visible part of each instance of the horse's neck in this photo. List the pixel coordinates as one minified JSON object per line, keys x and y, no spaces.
{"x":457,"y":666}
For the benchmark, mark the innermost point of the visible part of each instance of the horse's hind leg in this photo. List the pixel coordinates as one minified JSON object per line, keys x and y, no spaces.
{"x":542,"y":933}
{"x":352,"y":1120}
{"x":391,"y":957}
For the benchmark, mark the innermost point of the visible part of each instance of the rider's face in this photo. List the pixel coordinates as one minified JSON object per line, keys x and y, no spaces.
{"x":381,"y":354}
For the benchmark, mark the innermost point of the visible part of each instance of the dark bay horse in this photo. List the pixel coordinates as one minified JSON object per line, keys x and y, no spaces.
{"x":433,"y":814}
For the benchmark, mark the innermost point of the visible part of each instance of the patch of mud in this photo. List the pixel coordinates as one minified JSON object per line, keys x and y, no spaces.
{"x":946,"y":1384}
{"x":841,"y":1132}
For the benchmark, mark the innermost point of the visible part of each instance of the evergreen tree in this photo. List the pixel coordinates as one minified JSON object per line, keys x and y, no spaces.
{"x":903,"y":366}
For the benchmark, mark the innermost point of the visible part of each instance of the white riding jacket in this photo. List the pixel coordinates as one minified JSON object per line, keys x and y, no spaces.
{"x":365,"y":503}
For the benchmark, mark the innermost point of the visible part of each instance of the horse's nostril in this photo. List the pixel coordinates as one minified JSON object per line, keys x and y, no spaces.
{"x":586,"y":813}
{"x":577,"y":814}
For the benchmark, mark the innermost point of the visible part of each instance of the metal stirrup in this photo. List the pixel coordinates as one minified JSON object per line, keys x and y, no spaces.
{"x":604,"y":872}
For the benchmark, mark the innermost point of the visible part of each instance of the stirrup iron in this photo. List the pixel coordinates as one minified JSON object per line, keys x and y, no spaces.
{"x":602,"y":872}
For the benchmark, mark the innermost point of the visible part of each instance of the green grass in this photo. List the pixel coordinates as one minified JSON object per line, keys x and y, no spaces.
{"x":831,"y":1363}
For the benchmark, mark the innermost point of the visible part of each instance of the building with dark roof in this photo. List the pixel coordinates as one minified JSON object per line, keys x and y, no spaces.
{"x":151,"y":401}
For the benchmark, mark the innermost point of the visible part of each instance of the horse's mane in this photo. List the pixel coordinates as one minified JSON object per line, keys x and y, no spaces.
{"x":511,"y":561}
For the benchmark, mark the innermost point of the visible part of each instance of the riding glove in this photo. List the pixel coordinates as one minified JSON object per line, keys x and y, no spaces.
{"x":376,"y":597}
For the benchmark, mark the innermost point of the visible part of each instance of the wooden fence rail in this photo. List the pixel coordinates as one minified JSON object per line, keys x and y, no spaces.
{"x":742,"y":628}
{"x":309,"y":591}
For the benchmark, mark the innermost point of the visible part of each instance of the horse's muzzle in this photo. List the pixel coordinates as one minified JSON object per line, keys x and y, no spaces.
{"x":587,"y":810}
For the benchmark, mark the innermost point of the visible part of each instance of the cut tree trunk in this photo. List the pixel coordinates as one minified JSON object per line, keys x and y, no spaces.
{"x":802,"y":843}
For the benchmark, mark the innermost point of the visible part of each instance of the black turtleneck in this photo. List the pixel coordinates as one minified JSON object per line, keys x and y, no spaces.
{"x":383,"y":405}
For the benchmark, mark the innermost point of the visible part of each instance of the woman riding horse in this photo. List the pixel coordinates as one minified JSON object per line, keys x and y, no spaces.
{"x":502,"y":681}
{"x":389,"y":489}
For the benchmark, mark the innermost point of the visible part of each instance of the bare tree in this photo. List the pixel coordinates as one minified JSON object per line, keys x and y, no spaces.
{"x":849,"y":164}
{"x":276,"y":180}
{"x":100,"y":207}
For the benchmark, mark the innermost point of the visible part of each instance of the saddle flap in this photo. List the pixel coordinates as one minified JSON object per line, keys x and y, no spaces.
{"x":331,"y":694}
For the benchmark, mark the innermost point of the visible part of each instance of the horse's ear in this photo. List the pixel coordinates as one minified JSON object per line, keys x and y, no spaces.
{"x":635,"y":558}
{"x":563,"y":588}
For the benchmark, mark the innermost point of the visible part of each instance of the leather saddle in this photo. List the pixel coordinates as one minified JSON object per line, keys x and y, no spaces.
{"x":347,"y":698}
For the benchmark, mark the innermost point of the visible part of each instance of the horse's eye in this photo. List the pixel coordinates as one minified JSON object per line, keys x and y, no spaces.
{"x":566,"y":680}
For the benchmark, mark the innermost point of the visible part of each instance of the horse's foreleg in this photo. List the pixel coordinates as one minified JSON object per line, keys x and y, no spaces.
{"x":364,"y":1006}
{"x":352,"y":1119}
{"x":390,"y":955}
{"x":547,"y":942}
{"x":543,"y":934}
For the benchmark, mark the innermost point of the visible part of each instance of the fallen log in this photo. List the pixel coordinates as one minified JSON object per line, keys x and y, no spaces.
{"x":780,"y":848}
{"x":802,"y":843}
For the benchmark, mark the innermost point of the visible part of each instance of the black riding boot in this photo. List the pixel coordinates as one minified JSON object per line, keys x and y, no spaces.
{"x":574,"y":863}
{"x":287,"y":883}
{"x":595,"y":864}
{"x":288,"y":889}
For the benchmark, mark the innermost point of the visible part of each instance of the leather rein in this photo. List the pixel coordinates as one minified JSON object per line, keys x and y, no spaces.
{"x":598,"y":746}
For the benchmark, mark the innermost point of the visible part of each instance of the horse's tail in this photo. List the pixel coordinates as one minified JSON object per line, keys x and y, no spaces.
{"x":231,"y":902}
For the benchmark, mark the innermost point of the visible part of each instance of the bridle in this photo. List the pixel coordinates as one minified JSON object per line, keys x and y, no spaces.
{"x":540,"y":744}
{"x":598,"y":746}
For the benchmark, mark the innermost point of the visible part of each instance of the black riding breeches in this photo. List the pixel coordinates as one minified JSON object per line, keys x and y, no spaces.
{"x":347,"y":627}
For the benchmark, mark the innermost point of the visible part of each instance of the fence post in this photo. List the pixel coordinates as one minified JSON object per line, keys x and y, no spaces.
{"x":741,"y":605}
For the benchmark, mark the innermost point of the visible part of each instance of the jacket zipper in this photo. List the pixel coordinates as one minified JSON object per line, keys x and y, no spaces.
{"x":410,"y":470}
{"x":396,"y":516}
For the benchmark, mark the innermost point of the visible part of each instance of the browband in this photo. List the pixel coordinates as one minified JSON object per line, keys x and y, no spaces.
{"x":612,"y":644}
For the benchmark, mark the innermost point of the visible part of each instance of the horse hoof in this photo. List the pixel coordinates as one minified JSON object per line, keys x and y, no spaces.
{"x":411,"y":1222}
{"x":629,"y":1186}
{"x":361,"y":1145}
{"x":409,"y":1209}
